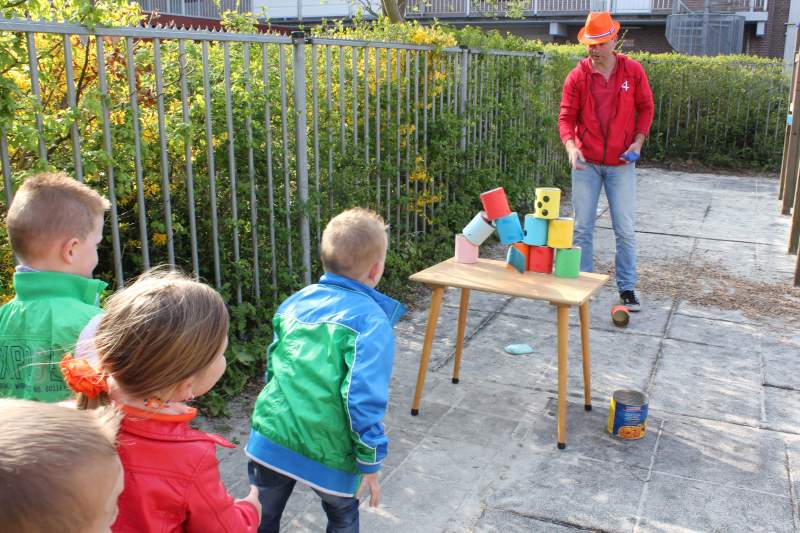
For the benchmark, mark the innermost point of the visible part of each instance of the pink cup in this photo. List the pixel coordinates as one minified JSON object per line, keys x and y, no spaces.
{"x":466,"y":252}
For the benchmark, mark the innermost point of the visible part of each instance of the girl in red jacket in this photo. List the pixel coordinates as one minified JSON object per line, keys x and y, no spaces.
{"x":161,"y":343}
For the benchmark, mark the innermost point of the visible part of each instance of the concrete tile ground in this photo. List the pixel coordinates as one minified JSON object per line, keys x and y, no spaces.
{"x":722,"y":452}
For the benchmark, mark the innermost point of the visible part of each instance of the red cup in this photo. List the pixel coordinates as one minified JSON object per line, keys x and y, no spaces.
{"x":541,"y":259}
{"x":495,"y":203}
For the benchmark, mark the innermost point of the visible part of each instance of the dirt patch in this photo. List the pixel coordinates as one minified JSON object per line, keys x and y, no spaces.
{"x":712,"y":285}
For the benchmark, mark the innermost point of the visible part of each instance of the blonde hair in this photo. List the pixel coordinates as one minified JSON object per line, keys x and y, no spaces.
{"x":51,"y":206}
{"x":352,"y":242}
{"x":46,"y":453}
{"x":157,"y":332}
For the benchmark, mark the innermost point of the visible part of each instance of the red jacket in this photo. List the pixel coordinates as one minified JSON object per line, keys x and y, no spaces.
{"x":172,"y":481}
{"x":633,"y":111}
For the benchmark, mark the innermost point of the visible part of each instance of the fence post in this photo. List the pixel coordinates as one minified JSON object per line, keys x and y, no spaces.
{"x":791,"y":167}
{"x":301,"y":146}
{"x":462,"y":96}
{"x":785,"y":163}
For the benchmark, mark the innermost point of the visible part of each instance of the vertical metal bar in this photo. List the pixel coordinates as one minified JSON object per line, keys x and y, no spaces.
{"x":315,"y":127}
{"x":342,"y":88}
{"x":399,"y":135}
{"x":112,"y":190}
{"x":462,"y":97}
{"x":4,"y":159}
{"x":232,"y":165}
{"x":285,"y":133}
{"x":162,"y":139}
{"x":301,"y":147}
{"x":212,"y":179}
{"x":251,"y":170}
{"x":354,"y":92}
{"x":416,"y":141}
{"x":37,"y":93}
{"x":378,"y":129}
{"x":187,"y":141}
{"x":137,"y":152}
{"x":329,"y":116}
{"x":73,"y":105}
{"x":408,"y":141}
{"x":270,"y":184}
{"x":366,"y":110}
{"x":425,"y":58}
{"x":388,"y":92}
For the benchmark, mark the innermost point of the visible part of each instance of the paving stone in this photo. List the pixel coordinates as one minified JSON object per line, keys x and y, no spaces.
{"x":744,"y":339}
{"x":587,"y":436}
{"x":507,"y":521}
{"x":724,"y":454}
{"x":700,"y":311}
{"x":782,"y":409}
{"x":571,"y":489}
{"x":709,"y":382}
{"x":781,"y":362}
{"x":676,"y":504}
{"x":410,"y":335}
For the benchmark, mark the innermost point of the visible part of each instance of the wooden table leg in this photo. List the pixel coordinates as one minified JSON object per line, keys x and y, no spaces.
{"x":433,"y":317}
{"x":462,"y":325}
{"x":587,"y":374}
{"x":563,"y":361}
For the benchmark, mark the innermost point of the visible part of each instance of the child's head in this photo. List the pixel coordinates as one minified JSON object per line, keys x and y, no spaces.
{"x":55,"y":223}
{"x":162,"y":337}
{"x":354,"y":245}
{"x":59,"y":469}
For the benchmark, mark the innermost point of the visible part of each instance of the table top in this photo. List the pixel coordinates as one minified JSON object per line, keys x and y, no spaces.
{"x":491,"y":275}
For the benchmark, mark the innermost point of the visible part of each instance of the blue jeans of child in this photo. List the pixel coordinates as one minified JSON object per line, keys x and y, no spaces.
{"x":620,"y":185}
{"x":274,"y":490}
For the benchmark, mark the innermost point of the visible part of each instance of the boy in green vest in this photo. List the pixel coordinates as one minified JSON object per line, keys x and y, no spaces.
{"x":55,"y":225}
{"x":318,"y":418}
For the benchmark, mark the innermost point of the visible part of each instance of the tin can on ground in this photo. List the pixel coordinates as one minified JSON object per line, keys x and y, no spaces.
{"x":627,"y":418}
{"x":620,"y":315}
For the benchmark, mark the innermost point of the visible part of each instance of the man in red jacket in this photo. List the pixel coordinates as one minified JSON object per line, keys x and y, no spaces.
{"x":606,"y":112}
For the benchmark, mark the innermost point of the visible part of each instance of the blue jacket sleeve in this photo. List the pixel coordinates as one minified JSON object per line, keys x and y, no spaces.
{"x":367,"y":392}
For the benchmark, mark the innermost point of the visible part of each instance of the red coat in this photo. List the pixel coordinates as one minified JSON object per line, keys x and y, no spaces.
{"x":172,"y":481}
{"x":632,"y":114}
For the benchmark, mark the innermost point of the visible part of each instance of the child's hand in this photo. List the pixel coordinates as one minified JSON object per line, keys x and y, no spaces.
{"x":253,"y":498}
{"x":371,"y":481}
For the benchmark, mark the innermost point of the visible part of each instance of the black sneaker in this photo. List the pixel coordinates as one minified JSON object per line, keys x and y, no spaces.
{"x":629,"y":300}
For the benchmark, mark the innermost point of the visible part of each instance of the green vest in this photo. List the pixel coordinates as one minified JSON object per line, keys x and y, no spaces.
{"x":38,"y":326}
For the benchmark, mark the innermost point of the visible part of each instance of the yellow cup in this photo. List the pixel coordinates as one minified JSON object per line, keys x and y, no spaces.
{"x":559,"y":234}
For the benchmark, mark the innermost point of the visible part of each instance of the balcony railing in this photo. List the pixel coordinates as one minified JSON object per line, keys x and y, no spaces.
{"x":195,"y":8}
{"x":532,"y":8}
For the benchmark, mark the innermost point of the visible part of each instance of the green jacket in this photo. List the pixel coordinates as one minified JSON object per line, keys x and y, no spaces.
{"x":318,"y":418}
{"x":38,"y":326}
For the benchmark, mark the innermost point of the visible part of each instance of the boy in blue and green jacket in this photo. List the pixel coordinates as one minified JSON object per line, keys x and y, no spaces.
{"x":55,"y":225}
{"x":318,"y":418}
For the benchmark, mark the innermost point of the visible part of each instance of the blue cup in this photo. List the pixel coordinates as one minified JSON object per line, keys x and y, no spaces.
{"x":509,"y":229}
{"x":535,"y":232}
{"x":478,"y":229}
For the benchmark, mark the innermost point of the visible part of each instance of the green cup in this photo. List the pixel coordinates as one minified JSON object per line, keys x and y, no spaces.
{"x":568,"y":263}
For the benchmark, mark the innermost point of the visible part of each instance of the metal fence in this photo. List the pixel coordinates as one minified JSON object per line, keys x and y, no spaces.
{"x":226,"y":153}
{"x":195,"y":8}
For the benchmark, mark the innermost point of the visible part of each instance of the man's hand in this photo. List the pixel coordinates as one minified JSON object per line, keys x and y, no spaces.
{"x":636,"y":146}
{"x":575,"y":155}
{"x":371,"y":481}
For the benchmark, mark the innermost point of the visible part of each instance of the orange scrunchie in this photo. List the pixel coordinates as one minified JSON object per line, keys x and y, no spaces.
{"x":82,"y":377}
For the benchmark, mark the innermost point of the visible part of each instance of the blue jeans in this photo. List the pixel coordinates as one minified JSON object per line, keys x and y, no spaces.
{"x":620,"y":186}
{"x":274,"y":490}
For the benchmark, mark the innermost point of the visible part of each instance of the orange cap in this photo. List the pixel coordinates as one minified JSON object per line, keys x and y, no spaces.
{"x":599,"y":28}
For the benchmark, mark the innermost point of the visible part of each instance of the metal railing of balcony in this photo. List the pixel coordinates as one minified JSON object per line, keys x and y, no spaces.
{"x":479,"y":8}
{"x":195,"y":8}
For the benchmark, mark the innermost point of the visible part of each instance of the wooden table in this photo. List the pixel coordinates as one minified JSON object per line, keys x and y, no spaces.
{"x":489,"y":275}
